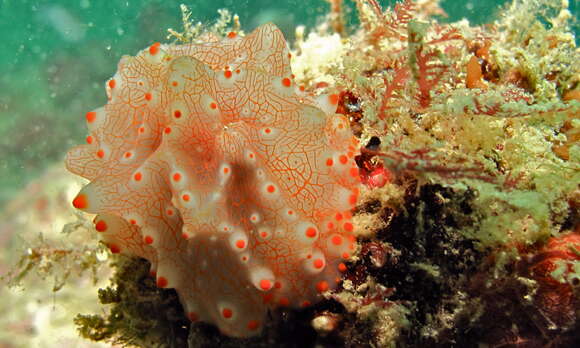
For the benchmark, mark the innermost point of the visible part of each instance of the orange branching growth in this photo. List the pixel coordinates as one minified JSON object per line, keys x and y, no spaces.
{"x":393,"y":24}
{"x":426,"y":65}
{"x":236,"y":185}
{"x":400,"y":77}
{"x":427,"y":161}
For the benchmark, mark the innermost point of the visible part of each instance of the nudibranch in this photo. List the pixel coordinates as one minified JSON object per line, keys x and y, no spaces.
{"x":235,"y":184}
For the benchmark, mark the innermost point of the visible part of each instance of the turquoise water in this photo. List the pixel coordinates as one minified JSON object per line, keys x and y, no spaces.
{"x":56,"y":56}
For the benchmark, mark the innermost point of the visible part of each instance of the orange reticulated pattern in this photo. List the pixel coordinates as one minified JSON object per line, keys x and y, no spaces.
{"x":236,"y":185}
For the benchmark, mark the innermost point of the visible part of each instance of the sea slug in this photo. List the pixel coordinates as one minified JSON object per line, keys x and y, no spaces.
{"x":234,"y":183}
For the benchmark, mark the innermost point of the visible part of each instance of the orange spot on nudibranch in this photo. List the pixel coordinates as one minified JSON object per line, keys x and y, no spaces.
{"x":101,"y":226}
{"x":318,"y":263}
{"x":162,"y":282}
{"x":176,"y":177}
{"x":329,"y":162}
{"x":265,"y":284}
{"x":227,"y":313}
{"x":114,"y":249}
{"x":213,"y":106}
{"x":101,"y":153}
{"x":177,"y":114}
{"x":227,"y":74}
{"x":348,"y":226}
{"x":185,"y":197}
{"x":343,"y":159}
{"x":253,"y":325}
{"x":148,"y":240}
{"x":286,"y":82}
{"x":322,"y":286}
{"x":240,"y":243}
{"x":232,"y":34}
{"x":91,"y":116}
{"x":148,"y":96}
{"x":138,"y":176}
{"x":271,"y":189}
{"x":89,"y":139}
{"x":352,"y":199}
{"x":154,"y":48}
{"x":311,"y":232}
{"x":342,"y":267}
{"x":336,"y":240}
{"x":112,"y":83}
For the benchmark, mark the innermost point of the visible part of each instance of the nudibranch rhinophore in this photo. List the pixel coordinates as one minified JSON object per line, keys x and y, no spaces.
{"x":235,"y":184}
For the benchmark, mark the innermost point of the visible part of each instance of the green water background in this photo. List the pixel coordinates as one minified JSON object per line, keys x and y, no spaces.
{"x":55,"y":57}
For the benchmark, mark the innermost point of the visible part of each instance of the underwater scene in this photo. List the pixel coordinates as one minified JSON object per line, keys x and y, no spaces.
{"x":322,"y":173}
